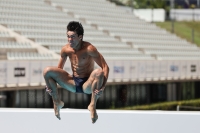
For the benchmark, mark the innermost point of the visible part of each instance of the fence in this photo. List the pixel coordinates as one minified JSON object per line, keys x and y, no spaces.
{"x":30,"y":73}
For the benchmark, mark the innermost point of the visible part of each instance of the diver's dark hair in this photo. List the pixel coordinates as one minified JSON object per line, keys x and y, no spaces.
{"x":76,"y":27}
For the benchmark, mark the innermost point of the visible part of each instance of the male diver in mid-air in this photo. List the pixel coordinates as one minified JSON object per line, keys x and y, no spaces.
{"x":84,"y":79}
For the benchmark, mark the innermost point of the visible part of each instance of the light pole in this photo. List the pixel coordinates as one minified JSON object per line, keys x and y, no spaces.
{"x":172,"y":19}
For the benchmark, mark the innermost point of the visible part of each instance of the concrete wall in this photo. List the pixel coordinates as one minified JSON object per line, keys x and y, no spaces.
{"x":185,"y":14}
{"x":150,"y":15}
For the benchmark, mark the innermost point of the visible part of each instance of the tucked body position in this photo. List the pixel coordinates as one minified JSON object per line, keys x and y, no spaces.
{"x":84,"y":78}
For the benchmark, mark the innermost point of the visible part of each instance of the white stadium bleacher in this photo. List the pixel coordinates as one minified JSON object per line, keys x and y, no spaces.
{"x":32,"y":33}
{"x":165,"y":46}
{"x":4,"y":34}
{"x":28,"y":56}
{"x":14,"y":45}
{"x":106,"y":26}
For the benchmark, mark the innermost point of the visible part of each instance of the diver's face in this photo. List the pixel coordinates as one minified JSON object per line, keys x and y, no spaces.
{"x":73,"y":39}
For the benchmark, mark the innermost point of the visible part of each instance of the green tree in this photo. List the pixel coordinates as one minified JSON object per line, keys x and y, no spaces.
{"x":145,"y":3}
{"x":158,"y":3}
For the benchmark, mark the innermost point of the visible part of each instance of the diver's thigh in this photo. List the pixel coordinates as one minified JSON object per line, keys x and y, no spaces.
{"x":64,"y":79}
{"x":87,"y":86}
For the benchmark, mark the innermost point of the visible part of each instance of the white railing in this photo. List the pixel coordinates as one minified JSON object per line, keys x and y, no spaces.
{"x":30,"y":73}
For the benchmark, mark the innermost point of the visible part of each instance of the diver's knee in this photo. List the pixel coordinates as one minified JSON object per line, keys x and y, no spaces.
{"x":99,"y":73}
{"x":46,"y":71}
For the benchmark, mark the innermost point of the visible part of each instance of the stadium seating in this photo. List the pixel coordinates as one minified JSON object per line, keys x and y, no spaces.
{"x":28,"y":56}
{"x":4,"y":34}
{"x":116,"y":33}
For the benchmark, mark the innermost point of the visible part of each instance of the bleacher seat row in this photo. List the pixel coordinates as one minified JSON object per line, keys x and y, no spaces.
{"x":117,"y":34}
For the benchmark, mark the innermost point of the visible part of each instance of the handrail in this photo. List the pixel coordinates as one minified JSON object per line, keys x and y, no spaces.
{"x":186,"y":107}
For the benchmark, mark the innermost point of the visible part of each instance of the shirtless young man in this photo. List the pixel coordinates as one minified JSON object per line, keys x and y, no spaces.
{"x":85,"y":79}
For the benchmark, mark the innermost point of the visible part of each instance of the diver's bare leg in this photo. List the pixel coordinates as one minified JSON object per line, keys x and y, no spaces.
{"x":58,"y":104}
{"x":52,"y":76}
{"x":92,"y":105}
{"x":95,"y":82}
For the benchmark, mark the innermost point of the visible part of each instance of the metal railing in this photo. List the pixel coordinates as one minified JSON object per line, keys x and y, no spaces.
{"x":179,"y":107}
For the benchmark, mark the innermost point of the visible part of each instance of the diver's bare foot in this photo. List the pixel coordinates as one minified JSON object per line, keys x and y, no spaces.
{"x":57,"y":108}
{"x":93,"y":112}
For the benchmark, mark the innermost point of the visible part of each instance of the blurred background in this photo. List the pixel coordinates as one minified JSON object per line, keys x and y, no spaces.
{"x":151,"y":47}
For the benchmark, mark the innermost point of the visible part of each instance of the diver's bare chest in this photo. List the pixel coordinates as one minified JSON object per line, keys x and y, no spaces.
{"x":79,"y":58}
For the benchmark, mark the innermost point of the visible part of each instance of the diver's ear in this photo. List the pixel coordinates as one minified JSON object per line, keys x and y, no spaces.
{"x":80,"y":37}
